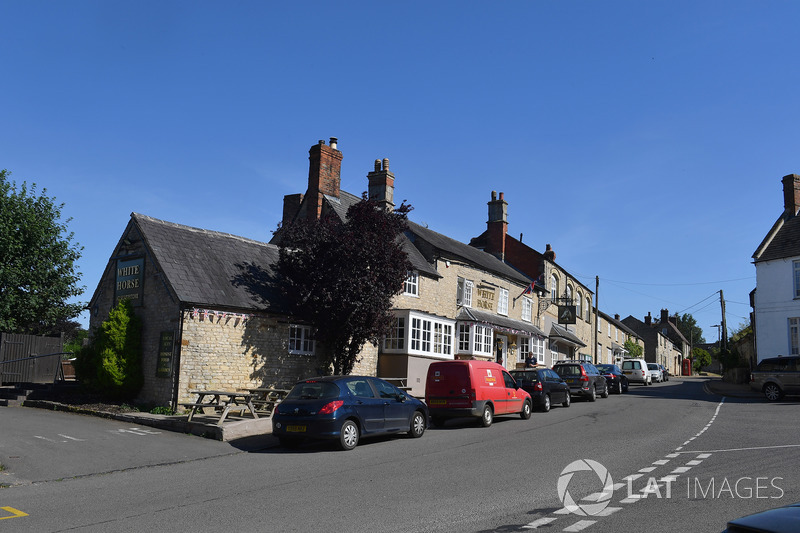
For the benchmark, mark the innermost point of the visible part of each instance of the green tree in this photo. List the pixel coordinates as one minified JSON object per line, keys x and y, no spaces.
{"x":341,"y":277}
{"x":38,"y":271}
{"x":700,"y":359}
{"x":633,"y":349}
{"x":111,"y":363}
{"x":688,"y":327}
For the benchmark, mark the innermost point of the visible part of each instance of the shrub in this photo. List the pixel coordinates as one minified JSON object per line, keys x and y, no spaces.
{"x":111,"y":364}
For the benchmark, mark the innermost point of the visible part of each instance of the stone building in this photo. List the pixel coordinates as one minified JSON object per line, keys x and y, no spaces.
{"x":566,"y":314}
{"x":612,"y":334}
{"x":663,"y":342}
{"x":211,"y":317}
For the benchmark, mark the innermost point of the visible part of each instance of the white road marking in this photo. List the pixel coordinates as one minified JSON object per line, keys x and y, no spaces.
{"x":580,"y":526}
{"x":540,"y":522}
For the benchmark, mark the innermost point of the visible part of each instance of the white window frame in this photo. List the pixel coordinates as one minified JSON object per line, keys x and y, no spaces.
{"x":527,"y":309}
{"x":554,"y":287}
{"x":537,"y":348}
{"x":523,"y":348}
{"x":796,"y":278}
{"x":411,"y":286}
{"x":464,"y":292}
{"x":301,"y":340}
{"x":502,"y":303}
{"x":579,"y":305}
{"x":794,"y":336}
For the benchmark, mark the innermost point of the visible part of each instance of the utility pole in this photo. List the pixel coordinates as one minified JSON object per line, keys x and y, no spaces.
{"x":596,"y":310}
{"x":724,"y":340}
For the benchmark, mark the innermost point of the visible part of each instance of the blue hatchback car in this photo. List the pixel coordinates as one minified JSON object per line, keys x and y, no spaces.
{"x":345,"y":408}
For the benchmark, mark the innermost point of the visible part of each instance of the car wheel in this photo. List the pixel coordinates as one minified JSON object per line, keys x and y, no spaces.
{"x":605,"y":391}
{"x":546,"y":403}
{"x":526,"y":410}
{"x":488,"y":416}
{"x":773,"y":392}
{"x":566,"y":401}
{"x":348,"y":436}
{"x":619,"y":387}
{"x":593,"y":395}
{"x":417,"y":425}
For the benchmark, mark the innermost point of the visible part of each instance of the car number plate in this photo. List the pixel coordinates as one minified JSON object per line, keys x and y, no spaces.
{"x":438,"y":402}
{"x":295,"y":429}
{"x":627,"y":372}
{"x":570,"y":380}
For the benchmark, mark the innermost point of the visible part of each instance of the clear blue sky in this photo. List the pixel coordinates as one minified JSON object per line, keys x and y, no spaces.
{"x":644,"y":140}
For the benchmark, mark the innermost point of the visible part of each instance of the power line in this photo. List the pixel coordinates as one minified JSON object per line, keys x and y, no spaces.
{"x":667,"y":284}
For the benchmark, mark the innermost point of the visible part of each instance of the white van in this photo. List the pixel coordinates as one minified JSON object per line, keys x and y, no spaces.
{"x":636,"y":371}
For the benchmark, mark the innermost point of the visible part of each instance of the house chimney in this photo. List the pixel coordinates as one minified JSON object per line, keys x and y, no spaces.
{"x":616,"y":317}
{"x":497,"y":226}
{"x":791,"y":194}
{"x":324,"y":175}
{"x":381,"y":185}
{"x":291,"y":205}
{"x":648,"y":320}
{"x":664,"y":316}
{"x":549,"y":254}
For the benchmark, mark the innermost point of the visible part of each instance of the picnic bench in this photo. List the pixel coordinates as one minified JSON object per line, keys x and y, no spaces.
{"x":266,"y":398}
{"x":223,"y":402}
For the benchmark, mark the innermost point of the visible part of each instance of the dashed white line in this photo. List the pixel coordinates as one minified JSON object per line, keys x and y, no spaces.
{"x":580,"y":525}
{"x":540,"y":522}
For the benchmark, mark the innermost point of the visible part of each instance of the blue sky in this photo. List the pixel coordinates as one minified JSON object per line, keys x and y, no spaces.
{"x":644,"y":140}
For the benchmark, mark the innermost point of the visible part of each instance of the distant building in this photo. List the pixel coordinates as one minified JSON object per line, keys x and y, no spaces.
{"x":776,"y":300}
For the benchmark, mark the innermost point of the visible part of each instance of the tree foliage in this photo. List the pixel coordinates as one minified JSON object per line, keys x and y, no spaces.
{"x":341,"y":277}
{"x":38,"y":271}
{"x":688,"y":327}
{"x":633,"y":349}
{"x":111,"y":363}
{"x":700,"y":358}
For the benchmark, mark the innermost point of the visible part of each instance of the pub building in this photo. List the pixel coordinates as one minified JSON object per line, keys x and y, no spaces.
{"x":212,"y":314}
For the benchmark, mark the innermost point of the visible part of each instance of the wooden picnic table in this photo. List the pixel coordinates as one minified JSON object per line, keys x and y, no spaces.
{"x":265,"y":398}
{"x":223,"y":401}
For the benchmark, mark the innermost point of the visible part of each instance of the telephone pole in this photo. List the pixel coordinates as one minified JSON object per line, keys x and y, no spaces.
{"x":724,"y":340}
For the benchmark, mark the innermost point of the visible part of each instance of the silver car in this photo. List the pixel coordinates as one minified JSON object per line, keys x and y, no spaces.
{"x":776,"y":377}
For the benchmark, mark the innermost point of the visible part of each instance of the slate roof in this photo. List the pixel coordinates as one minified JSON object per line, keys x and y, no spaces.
{"x":205,"y":267}
{"x":782,"y":241}
{"x":557,"y":331}
{"x":473,"y":315}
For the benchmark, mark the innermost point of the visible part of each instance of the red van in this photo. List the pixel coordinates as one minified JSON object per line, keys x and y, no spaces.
{"x":482,"y":389}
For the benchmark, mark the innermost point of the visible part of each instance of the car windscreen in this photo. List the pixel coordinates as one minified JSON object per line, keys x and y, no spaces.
{"x":652,"y":366}
{"x":313,"y":390}
{"x":568,"y":370}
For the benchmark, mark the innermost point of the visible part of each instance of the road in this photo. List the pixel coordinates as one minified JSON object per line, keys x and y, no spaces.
{"x":78,"y":473}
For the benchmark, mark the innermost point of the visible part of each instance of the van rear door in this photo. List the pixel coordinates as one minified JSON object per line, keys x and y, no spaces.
{"x":448,"y":385}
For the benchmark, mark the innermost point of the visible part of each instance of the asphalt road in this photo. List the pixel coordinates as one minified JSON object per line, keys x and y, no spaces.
{"x":77,"y":473}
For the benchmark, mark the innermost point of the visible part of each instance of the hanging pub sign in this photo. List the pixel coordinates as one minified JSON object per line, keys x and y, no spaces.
{"x":129,"y":280}
{"x":566,"y":314}
{"x":166,"y":346}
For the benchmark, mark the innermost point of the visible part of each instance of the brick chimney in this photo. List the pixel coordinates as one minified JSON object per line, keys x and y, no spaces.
{"x":381,"y":185}
{"x":664,"y":316}
{"x":291,"y":205}
{"x":648,"y":320}
{"x":324,"y":175}
{"x":497,"y":226}
{"x":791,"y":194}
{"x":549,"y":254}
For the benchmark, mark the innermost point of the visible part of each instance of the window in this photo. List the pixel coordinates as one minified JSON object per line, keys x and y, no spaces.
{"x":578,"y":300}
{"x":464,"y":294}
{"x":588,"y":310}
{"x":796,"y":267}
{"x":483,"y":340}
{"x":568,"y":295}
{"x":537,"y":348}
{"x":502,"y":302}
{"x":420,"y":335}
{"x":527,"y":308}
{"x":301,"y":341}
{"x":599,"y":327}
{"x":610,"y":355}
{"x":616,"y":334}
{"x":554,"y":351}
{"x":463,"y":338}
{"x":553,"y":286}
{"x":396,"y":338}
{"x":609,"y":329}
{"x":442,"y":338}
{"x":524,"y":348}
{"x":794,"y":336}
{"x":412,"y":284}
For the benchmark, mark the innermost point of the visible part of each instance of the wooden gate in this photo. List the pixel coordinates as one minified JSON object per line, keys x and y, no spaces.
{"x":29,"y":358}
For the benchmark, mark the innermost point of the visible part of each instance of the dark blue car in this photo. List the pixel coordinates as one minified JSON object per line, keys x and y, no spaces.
{"x":345,"y":408}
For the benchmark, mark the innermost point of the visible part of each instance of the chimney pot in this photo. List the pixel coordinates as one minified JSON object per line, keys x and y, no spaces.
{"x":386,"y":164}
{"x":334,"y":142}
{"x":377,"y":165}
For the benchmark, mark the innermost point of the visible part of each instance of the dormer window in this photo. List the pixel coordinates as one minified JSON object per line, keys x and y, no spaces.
{"x":464,"y":292}
{"x":411,"y":287}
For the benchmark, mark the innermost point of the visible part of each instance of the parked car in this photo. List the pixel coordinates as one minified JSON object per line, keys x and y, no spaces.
{"x":482,"y":389}
{"x":545,"y":387}
{"x":346,"y":408}
{"x":617,"y":382}
{"x":583,"y":379}
{"x":636,"y":371}
{"x":777,"y":377}
{"x":780,"y":520}
{"x":655,"y":372}
{"x":664,"y":373}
